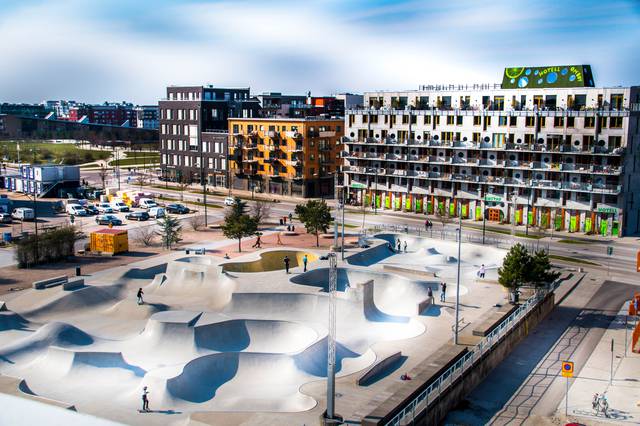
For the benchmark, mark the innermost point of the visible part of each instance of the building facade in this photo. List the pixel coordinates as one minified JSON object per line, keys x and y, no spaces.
{"x":553,"y":157}
{"x":286,"y":156}
{"x":147,"y":117}
{"x":193,"y":131}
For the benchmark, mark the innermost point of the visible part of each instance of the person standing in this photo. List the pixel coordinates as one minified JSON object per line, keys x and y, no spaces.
{"x":286,"y":264}
{"x":290,"y":217}
{"x":398,"y":246}
{"x":426,"y":224}
{"x":430,"y":295}
{"x":305,"y":259}
{"x":443,"y":292}
{"x":145,"y":400}
{"x":405,"y":246}
{"x":140,"y":293}
{"x":482,"y":271}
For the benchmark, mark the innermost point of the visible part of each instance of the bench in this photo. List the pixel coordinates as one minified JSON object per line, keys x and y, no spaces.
{"x":50,"y":282}
{"x":73,"y":284}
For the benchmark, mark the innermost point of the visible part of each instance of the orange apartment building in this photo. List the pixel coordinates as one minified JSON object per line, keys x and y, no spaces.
{"x":285,"y":156}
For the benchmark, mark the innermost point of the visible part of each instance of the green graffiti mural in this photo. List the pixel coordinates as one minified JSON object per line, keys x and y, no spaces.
{"x":545,"y":77}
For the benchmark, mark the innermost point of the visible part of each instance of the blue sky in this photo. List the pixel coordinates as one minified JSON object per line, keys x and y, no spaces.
{"x":96,"y":50}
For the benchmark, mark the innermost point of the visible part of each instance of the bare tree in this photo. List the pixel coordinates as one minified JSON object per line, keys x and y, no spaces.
{"x":443,"y":217}
{"x":261,"y":211}
{"x":196,"y":222}
{"x":142,"y":179}
{"x":103,"y":173}
{"x":182,"y":186}
{"x":145,"y":235}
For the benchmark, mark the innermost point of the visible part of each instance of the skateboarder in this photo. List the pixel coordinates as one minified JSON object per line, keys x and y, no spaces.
{"x":258,"y":243}
{"x":140,"y":293}
{"x":443,"y":291}
{"x":145,"y":400}
{"x":482,"y":271}
{"x":305,"y":259}
{"x":286,"y":264}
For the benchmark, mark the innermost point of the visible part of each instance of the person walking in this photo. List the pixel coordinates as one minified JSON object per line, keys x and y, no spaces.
{"x":305,"y":259}
{"x":443,"y":292}
{"x":430,"y":295}
{"x":145,"y":400}
{"x":290,"y":217}
{"x":426,"y":224}
{"x":482,"y":271}
{"x":258,"y":243}
{"x":279,"y":241}
{"x":398,"y":246}
{"x":405,"y":246}
{"x":139,"y":295}
{"x":286,"y":264}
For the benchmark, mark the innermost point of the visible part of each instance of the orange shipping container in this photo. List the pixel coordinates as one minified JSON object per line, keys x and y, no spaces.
{"x":109,"y":241}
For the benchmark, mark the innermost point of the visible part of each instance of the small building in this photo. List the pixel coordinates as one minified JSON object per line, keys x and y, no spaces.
{"x":111,"y":241}
{"x":44,"y":180}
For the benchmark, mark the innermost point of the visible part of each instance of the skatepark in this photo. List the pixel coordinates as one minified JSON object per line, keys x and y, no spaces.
{"x":240,"y":339}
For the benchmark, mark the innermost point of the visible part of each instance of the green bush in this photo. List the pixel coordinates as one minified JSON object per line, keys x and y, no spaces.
{"x":50,"y":246}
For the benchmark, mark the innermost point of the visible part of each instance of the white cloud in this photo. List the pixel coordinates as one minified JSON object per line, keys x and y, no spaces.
{"x":59,"y":50}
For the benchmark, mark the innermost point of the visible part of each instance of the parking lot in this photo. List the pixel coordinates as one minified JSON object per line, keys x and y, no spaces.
{"x":47,"y":217}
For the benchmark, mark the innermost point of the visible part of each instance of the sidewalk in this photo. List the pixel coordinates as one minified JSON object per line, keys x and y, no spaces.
{"x":624,"y":391}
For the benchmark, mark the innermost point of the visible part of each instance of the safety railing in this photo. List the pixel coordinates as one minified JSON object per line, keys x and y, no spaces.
{"x":421,"y":402}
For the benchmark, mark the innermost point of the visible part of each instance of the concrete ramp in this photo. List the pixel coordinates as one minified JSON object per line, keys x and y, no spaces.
{"x":270,"y":261}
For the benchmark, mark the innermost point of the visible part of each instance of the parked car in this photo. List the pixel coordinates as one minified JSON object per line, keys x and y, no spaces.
{"x":177,"y":209}
{"x":229,"y":201}
{"x":119,"y":206}
{"x":137,"y":216}
{"x":91,"y":210}
{"x":23,"y":213}
{"x":106,"y":219}
{"x":5,"y":218}
{"x":156,"y":212}
{"x":104,"y":208}
{"x":76,"y":210}
{"x":147,"y":203}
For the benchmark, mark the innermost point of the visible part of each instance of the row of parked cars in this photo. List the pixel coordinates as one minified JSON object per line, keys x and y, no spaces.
{"x":21,"y":213}
{"x":104,"y":211}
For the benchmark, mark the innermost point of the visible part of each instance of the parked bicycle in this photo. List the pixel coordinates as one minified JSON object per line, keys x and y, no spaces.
{"x":600,"y":403}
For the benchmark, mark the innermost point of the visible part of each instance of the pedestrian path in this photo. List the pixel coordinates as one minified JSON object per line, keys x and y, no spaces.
{"x":623,"y":391}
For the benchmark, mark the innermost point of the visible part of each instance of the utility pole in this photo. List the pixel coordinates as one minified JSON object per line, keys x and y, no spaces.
{"x":331,"y":340}
{"x":484,"y":219}
{"x":35,"y":207}
{"x":342,"y":204}
{"x":202,"y":177}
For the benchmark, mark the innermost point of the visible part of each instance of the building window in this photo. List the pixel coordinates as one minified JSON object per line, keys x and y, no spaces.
{"x":530,"y":121}
{"x":616,"y":101}
{"x":589,"y":122}
{"x":615,"y":123}
{"x":571,"y":121}
{"x":513,"y":121}
{"x":476,"y":137}
{"x":558,"y":122}
{"x":450,"y":120}
{"x":427,"y":119}
{"x":459,"y":120}
{"x":502,"y":120}
{"x":477,"y":120}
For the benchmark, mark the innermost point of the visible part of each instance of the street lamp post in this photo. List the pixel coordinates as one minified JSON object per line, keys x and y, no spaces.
{"x":455,"y":339}
{"x":35,"y":208}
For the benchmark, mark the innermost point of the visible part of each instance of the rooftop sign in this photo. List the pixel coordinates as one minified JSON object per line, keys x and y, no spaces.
{"x":547,"y":77}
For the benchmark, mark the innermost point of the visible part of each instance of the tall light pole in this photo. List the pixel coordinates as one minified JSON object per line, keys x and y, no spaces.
{"x":455,"y":339}
{"x":35,"y":207}
{"x":331,"y":340}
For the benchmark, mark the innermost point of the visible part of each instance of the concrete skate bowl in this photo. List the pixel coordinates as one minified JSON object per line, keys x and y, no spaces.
{"x":83,"y":376}
{"x":270,"y":261}
{"x":392,"y":294}
{"x":266,"y":381}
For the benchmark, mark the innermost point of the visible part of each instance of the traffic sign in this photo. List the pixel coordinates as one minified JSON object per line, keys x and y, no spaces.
{"x":567,"y":369}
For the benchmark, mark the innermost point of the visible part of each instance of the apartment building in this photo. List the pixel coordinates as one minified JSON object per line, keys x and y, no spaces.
{"x":193,"y":131}
{"x":287,"y":156}
{"x":147,"y":117}
{"x":545,"y":148}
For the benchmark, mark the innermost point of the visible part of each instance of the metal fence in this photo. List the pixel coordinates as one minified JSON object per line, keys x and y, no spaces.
{"x":446,"y":379}
{"x":502,"y":242}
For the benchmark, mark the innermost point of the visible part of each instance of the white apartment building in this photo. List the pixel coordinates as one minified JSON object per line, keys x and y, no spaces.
{"x":555,"y":157}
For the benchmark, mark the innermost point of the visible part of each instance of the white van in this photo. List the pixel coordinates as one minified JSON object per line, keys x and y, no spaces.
{"x":157,"y":212}
{"x":146,"y":203}
{"x":119,"y":206}
{"x":23,"y":213}
{"x":76,"y":210}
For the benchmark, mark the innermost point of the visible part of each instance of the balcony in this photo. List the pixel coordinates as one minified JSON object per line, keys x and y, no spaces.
{"x":545,"y":184}
{"x":608,"y":170}
{"x":327,"y":134}
{"x":538,"y":165}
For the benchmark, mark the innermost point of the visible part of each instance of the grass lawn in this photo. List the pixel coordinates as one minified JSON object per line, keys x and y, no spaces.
{"x":572,"y":260}
{"x":137,"y":161}
{"x":49,"y":152}
{"x":143,"y":154}
{"x":195,"y":203}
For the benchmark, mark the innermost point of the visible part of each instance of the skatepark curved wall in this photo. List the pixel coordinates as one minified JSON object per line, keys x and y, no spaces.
{"x":270,"y":261}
